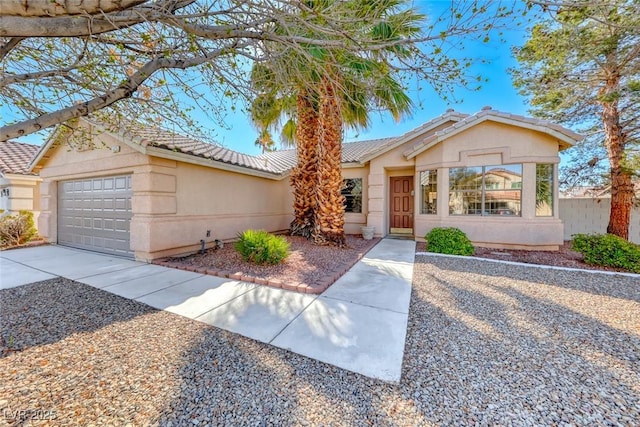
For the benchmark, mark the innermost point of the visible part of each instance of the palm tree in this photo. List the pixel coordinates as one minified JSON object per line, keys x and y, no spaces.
{"x":266,"y":112}
{"x":303,"y":176}
{"x":344,"y":93}
{"x":329,"y":210}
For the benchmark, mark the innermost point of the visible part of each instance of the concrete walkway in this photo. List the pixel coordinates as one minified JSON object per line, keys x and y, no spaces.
{"x":358,"y":324}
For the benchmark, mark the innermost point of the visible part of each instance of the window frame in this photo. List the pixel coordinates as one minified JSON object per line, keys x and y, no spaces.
{"x":425,"y":209}
{"x":356,"y":198}
{"x":550,"y":180}
{"x":482,"y":189}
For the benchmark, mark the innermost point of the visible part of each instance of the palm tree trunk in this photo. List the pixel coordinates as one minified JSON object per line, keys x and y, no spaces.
{"x":329,"y":227}
{"x":303,"y":176}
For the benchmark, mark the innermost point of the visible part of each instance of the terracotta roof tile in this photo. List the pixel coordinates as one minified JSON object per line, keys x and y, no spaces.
{"x":15,"y":157}
{"x":276,"y":162}
{"x":281,"y":161}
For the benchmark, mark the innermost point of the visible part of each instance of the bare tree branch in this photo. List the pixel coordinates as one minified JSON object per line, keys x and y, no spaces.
{"x":40,"y":80}
{"x":9,"y":45}
{"x":46,"y":8}
{"x":69,"y":25}
{"x":124,"y":90}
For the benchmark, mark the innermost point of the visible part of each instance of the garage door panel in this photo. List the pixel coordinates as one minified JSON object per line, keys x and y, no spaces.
{"x":95,"y":214}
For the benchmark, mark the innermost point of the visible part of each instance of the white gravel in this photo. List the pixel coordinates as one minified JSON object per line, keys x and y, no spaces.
{"x":488,"y":344}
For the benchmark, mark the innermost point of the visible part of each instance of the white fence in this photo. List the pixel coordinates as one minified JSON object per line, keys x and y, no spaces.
{"x":591,"y":215}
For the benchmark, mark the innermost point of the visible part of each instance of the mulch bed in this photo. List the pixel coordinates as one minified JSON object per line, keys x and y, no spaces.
{"x":309,"y":268}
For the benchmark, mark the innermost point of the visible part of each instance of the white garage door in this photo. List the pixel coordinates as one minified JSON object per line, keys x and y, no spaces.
{"x":95,"y":214}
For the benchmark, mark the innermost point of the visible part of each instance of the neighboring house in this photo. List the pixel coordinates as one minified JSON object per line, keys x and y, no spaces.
{"x":150,"y":193}
{"x":19,"y":187}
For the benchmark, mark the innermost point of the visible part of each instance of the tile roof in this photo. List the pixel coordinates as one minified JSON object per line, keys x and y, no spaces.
{"x":161,"y":138}
{"x":281,"y":161}
{"x":352,"y":152}
{"x":276,"y":162}
{"x":15,"y":157}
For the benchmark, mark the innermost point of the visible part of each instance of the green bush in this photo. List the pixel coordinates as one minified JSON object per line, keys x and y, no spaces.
{"x":17,"y":229}
{"x":448,"y":240}
{"x":260,"y":247}
{"x":608,"y":250}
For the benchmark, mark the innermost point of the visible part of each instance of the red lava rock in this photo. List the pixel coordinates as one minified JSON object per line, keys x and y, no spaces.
{"x":307,"y":263}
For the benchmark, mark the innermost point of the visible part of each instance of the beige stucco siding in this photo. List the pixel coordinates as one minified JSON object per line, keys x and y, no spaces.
{"x":21,"y":192}
{"x":222,"y":202}
{"x":174,"y":203}
{"x":490,"y":143}
{"x":493,"y":144}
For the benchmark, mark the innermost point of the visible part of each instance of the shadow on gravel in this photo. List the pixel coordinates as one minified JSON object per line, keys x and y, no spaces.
{"x":527,"y":350}
{"x":617,"y":286}
{"x":30,"y":317}
{"x":479,"y":350}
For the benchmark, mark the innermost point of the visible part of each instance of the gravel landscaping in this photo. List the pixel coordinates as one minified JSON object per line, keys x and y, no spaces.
{"x":309,"y":268}
{"x":564,"y":257}
{"x":487,"y":344}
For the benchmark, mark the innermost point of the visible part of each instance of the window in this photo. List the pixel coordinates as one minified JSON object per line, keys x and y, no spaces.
{"x":352,"y":192}
{"x":485,"y":190}
{"x":544,"y":190}
{"x":428,"y":191}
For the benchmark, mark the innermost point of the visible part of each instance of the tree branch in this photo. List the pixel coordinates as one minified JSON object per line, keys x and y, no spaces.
{"x":124,"y":90}
{"x":9,"y":45}
{"x":84,"y":25}
{"x":47,"y":8}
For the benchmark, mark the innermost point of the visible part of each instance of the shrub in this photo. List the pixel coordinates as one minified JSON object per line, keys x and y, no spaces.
{"x":260,"y":247}
{"x":449,"y":240}
{"x":608,"y":250}
{"x":17,"y":229}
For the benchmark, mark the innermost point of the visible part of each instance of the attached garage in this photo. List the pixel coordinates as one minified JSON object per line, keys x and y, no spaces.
{"x":95,"y":214}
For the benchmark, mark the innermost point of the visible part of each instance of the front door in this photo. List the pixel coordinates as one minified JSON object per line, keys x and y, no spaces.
{"x":401,"y":205}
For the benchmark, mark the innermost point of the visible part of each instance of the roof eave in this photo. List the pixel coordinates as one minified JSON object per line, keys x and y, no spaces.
{"x":43,"y":149}
{"x":430,"y":125}
{"x":565,"y":141}
{"x":353,"y":165}
{"x":20,"y":176}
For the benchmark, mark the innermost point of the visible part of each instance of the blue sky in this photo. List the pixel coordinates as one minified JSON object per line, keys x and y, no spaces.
{"x":497,"y":92}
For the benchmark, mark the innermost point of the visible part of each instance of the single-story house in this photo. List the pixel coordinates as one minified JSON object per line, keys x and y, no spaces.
{"x":19,"y":187}
{"x":149,"y":193}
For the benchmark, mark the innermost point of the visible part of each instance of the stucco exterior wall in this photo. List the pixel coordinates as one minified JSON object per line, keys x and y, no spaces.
{"x":488,"y":144}
{"x":177,"y":203}
{"x":590,"y":215}
{"x":174,"y":203}
{"x":20,"y":192}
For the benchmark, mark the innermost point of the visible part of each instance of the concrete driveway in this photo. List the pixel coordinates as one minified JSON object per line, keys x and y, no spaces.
{"x":344,"y":326}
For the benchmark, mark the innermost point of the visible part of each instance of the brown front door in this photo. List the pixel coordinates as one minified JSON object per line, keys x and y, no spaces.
{"x":402,"y":205}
